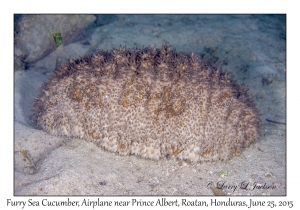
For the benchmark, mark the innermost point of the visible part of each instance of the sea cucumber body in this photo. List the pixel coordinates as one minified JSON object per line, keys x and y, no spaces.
{"x":151,"y":103}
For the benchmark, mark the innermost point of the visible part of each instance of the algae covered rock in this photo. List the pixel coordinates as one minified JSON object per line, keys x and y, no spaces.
{"x":34,"y":34}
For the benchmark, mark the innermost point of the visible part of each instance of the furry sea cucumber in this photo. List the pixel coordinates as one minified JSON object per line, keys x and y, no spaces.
{"x":149,"y":102}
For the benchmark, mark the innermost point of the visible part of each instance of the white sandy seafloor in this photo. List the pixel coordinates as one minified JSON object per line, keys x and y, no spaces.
{"x":252,"y":47}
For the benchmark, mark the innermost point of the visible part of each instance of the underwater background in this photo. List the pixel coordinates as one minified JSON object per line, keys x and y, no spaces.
{"x":251,"y":47}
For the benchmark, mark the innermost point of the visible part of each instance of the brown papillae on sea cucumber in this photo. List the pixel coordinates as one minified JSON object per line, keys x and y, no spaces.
{"x":149,"y":102}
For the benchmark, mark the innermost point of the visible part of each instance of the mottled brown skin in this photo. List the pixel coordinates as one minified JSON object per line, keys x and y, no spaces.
{"x":149,"y":102}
